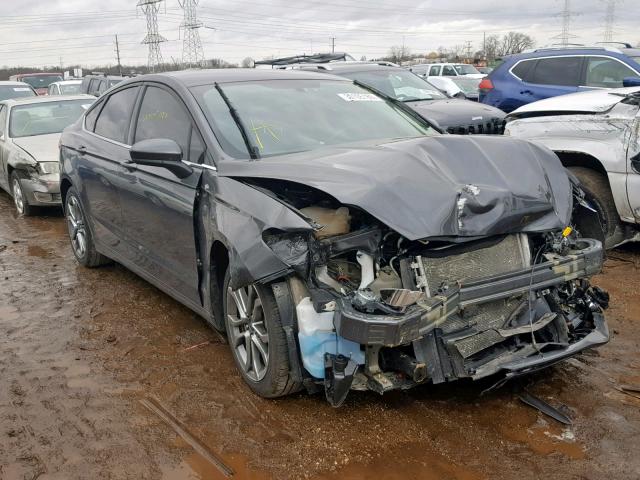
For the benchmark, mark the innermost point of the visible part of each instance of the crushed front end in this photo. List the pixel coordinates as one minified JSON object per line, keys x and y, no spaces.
{"x":377,"y":311}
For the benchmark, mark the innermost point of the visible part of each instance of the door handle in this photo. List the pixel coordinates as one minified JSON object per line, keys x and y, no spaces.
{"x":81,"y":149}
{"x":526,"y":92}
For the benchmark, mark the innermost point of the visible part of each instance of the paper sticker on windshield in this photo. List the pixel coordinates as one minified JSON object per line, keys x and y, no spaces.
{"x":21,"y":89}
{"x":359,"y":97}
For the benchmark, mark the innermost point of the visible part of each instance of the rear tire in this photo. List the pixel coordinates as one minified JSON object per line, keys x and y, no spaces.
{"x":80,"y":235}
{"x":253,"y":325}
{"x":598,"y":193}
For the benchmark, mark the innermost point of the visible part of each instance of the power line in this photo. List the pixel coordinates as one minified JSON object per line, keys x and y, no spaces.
{"x":153,"y":38}
{"x":609,"y":20}
{"x":192,"y":52}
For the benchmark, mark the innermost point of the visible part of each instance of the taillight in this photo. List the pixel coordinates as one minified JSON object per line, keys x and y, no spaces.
{"x":486,"y":84}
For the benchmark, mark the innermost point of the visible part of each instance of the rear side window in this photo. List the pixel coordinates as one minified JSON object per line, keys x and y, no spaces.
{"x":564,"y":71}
{"x":163,"y":116}
{"x":606,"y":72}
{"x":90,"y":118}
{"x":435,"y":71}
{"x":523,"y":70}
{"x":102,"y":87}
{"x":113,"y":121}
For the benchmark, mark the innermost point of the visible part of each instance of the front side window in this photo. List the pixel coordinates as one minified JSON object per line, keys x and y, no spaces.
{"x":287,"y":116}
{"x":163,"y":116}
{"x":45,"y":118}
{"x":563,"y":71}
{"x":113,"y":121}
{"x":435,"y":71}
{"x":606,"y":72}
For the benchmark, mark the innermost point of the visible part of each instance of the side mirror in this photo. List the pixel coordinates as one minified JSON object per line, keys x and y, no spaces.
{"x":160,"y":152}
{"x":631,"y":82}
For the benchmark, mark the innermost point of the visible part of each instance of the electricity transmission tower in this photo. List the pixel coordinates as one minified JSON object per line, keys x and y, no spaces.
{"x":566,"y":15}
{"x":192,"y":52}
{"x":609,"y":20}
{"x":153,"y":38}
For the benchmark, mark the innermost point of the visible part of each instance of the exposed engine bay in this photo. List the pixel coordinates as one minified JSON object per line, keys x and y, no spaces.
{"x":378,"y":311}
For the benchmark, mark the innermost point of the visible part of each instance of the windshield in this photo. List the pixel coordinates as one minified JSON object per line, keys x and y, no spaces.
{"x":70,"y":88}
{"x":467,"y":85}
{"x":15,"y":91}
{"x":41,"y":81}
{"x":464,"y":69}
{"x":44,"y":118}
{"x":287,"y":116}
{"x":399,"y":84}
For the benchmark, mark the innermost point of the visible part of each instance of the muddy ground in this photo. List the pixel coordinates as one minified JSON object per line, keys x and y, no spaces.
{"x":103,"y":376}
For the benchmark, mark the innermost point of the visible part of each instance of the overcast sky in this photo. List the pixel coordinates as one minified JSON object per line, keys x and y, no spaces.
{"x":39,"y":32}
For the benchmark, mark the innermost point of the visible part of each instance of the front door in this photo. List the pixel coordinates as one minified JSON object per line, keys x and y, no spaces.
{"x":4,"y":154}
{"x":99,"y":165}
{"x":158,"y":207}
{"x":633,"y":169}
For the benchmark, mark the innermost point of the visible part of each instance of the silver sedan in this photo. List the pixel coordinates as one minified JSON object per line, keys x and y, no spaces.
{"x":30,"y":130}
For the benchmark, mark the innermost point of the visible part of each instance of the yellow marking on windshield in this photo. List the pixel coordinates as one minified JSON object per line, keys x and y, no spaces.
{"x":263,"y":128}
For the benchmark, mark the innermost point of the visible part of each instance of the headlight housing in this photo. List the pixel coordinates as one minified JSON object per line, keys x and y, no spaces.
{"x":45,"y":168}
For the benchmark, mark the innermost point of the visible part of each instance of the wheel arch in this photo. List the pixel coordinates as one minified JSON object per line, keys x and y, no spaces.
{"x":581,"y":159}
{"x":218,"y":265}
{"x":65,"y":185}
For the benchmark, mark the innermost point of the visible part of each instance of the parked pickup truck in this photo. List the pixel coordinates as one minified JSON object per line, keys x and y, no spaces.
{"x":595,"y":134}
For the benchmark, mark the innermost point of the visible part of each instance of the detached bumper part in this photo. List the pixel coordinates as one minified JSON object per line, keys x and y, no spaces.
{"x":512,"y":323}
{"x":417,"y":321}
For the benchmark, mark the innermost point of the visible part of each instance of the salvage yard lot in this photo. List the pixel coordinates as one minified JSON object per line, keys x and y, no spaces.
{"x":83,"y":351}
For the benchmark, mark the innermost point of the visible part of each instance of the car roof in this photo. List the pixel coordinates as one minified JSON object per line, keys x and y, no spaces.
{"x":192,"y":78}
{"x":72,"y":81}
{"x":560,"y":52}
{"x":38,"y":74}
{"x":350,"y":67}
{"x":12,"y":102}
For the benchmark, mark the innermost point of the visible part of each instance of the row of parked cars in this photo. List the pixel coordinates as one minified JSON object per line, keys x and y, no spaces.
{"x":321,"y":218}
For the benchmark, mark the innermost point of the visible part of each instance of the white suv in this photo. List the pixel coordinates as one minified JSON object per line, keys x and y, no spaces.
{"x":446,"y":70}
{"x":596,"y":135}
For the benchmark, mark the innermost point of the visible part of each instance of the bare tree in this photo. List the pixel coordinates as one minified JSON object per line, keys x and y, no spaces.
{"x":247,"y":62}
{"x":363,"y":58}
{"x":398,"y":54}
{"x":491,"y":46}
{"x":515,"y":42}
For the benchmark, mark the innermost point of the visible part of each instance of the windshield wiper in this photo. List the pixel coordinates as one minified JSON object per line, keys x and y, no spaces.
{"x":254,"y":152}
{"x":398,"y":103}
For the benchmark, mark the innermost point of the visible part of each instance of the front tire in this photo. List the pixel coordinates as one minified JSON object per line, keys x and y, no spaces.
{"x":80,"y":235}
{"x":19,"y":197}
{"x":598,"y":193}
{"x":257,"y":339}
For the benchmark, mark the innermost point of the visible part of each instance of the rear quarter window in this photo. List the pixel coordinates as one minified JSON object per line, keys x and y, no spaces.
{"x":523,"y":69}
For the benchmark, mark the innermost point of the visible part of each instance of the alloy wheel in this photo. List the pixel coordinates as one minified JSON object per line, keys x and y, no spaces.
{"x":18,"y":199}
{"x":77,"y":227}
{"x":248,"y":333}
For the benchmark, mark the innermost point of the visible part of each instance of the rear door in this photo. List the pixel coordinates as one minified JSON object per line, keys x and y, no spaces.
{"x":101,"y":168}
{"x":546,"y":77}
{"x":158,"y":207}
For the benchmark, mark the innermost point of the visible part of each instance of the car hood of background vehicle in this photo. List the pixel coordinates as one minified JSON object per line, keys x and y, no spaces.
{"x":455,"y":112}
{"x":595,"y":101}
{"x":433,"y":186}
{"x":44,"y":148}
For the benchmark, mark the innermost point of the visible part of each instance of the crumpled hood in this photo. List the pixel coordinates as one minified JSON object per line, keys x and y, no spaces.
{"x":594,"y":101}
{"x":455,"y":112}
{"x":434,"y":186}
{"x":44,"y":148}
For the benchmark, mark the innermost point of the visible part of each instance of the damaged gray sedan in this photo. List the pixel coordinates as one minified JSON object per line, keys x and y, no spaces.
{"x":337,"y":238}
